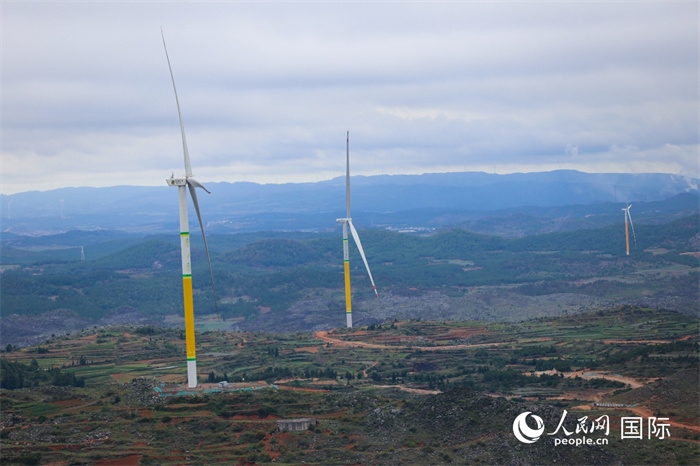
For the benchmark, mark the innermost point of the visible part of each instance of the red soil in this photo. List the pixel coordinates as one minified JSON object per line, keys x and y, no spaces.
{"x":68,"y":403}
{"x":131,"y":460}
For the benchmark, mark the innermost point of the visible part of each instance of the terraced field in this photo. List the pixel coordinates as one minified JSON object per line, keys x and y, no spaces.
{"x":390,"y":393}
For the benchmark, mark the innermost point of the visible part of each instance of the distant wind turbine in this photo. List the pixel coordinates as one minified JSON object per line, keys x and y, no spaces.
{"x":191,"y":184}
{"x":627,"y":232}
{"x":347,"y":222}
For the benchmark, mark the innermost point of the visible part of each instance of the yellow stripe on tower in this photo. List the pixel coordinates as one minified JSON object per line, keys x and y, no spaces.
{"x":348,"y":298}
{"x":189,"y":316}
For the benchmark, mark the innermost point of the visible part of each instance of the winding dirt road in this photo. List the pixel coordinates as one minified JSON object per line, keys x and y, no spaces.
{"x":647,"y":413}
{"x":589,"y":374}
{"x":585,"y":374}
{"x":323,"y":336}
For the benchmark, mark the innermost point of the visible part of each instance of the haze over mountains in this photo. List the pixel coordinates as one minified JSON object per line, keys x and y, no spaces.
{"x":467,"y":199}
{"x":500,"y":247}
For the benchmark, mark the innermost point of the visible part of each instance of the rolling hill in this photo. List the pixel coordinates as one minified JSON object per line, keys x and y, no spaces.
{"x":429,"y":201}
{"x":293,"y":281}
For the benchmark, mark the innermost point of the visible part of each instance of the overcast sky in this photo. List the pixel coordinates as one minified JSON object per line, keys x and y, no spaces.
{"x":269,"y":89}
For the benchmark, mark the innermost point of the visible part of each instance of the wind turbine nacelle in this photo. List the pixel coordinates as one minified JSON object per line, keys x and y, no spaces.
{"x":342,"y":220}
{"x":176,"y":181}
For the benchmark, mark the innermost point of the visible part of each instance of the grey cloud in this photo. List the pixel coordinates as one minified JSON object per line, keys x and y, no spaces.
{"x":421,"y":86}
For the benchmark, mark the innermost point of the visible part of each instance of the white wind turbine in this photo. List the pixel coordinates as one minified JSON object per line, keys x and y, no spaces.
{"x":627,"y":232}
{"x":189,"y":183}
{"x":347,"y":222}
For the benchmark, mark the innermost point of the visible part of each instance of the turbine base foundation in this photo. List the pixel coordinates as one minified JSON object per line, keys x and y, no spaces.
{"x":191,"y":374}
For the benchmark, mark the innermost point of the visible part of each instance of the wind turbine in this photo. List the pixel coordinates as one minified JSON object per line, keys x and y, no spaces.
{"x":627,"y":232}
{"x":181,"y":184}
{"x":347,"y":223}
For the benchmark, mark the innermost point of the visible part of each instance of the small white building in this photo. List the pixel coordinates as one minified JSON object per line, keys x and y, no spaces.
{"x":284,"y":425}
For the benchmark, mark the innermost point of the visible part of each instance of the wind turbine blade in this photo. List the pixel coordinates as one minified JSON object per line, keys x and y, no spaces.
{"x":356,"y":237}
{"x":188,"y":167}
{"x":192,"y":185}
{"x":631,"y":224}
{"x":347,"y":175}
{"x":197,"y":184}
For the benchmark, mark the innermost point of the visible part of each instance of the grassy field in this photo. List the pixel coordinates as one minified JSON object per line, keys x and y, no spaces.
{"x":410,"y":392}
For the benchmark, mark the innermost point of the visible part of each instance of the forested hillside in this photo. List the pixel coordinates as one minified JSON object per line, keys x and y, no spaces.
{"x":269,"y":273}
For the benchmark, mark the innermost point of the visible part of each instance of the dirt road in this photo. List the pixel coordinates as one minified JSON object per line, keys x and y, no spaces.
{"x":323,"y":336}
{"x":418,"y":391}
{"x":588,"y":374}
{"x":647,"y":413}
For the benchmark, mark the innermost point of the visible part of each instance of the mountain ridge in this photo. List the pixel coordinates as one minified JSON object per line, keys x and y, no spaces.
{"x":246,"y":206}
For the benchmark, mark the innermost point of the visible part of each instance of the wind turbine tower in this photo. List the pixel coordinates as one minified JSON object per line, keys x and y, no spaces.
{"x":627,"y":231}
{"x":183,"y":184}
{"x":347,"y":224}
